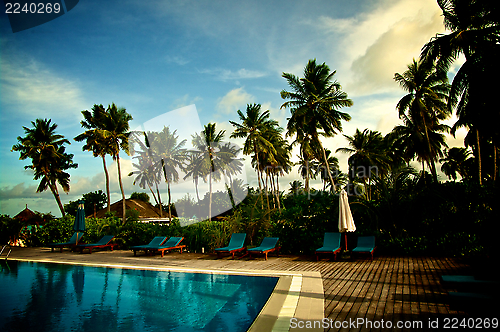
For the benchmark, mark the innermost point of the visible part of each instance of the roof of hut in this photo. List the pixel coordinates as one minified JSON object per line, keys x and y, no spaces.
{"x":25,"y":214}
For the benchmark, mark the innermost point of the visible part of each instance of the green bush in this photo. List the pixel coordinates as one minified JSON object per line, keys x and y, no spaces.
{"x":451,"y":219}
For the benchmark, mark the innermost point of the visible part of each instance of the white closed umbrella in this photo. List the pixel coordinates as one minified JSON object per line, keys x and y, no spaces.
{"x":346,"y":223}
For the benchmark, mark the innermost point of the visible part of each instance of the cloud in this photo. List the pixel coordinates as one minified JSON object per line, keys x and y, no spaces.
{"x":185,"y":101}
{"x":234,"y":100}
{"x":178,"y":60}
{"x":226,"y":75}
{"x":372,"y":46}
{"x":32,"y":89}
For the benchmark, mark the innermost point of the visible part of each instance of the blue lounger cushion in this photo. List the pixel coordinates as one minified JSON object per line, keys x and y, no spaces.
{"x":268,"y":243}
{"x":156,"y":241}
{"x":236,"y":242}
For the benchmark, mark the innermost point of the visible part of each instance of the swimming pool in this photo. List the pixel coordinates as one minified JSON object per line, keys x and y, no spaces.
{"x":60,"y":297}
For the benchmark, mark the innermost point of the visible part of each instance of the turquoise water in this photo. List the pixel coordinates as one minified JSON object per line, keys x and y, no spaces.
{"x":59,"y":297}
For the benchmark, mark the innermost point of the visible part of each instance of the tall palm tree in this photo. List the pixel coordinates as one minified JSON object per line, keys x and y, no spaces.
{"x":170,"y":156}
{"x":231,"y":165}
{"x":253,"y":126}
{"x":454,"y":162}
{"x":367,"y":151}
{"x":146,"y":171}
{"x":94,"y":139}
{"x":49,"y":160}
{"x":314,"y":103}
{"x":115,"y":130}
{"x":275,"y":162}
{"x":425,"y":103}
{"x":475,"y":33}
{"x":411,"y":141}
{"x":194,"y":169}
{"x":308,"y":151}
{"x":208,"y":149}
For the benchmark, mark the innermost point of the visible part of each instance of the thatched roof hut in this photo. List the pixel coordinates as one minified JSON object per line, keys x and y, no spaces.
{"x":147,"y":212}
{"x":25,"y":215}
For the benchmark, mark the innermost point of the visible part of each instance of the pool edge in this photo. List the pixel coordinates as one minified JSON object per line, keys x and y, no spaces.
{"x":302,"y":303}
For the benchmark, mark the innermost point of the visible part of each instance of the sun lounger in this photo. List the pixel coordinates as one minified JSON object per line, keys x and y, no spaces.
{"x":236,"y":244}
{"x":268,"y":245}
{"x":155,"y":242}
{"x":366,"y":245}
{"x":104,"y":242}
{"x":171,"y":244}
{"x":73,"y":242}
{"x":331,"y":245}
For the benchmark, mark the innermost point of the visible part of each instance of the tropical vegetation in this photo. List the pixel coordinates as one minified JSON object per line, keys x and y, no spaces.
{"x":396,"y":190}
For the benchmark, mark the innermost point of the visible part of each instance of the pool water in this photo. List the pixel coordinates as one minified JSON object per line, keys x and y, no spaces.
{"x":59,"y":297}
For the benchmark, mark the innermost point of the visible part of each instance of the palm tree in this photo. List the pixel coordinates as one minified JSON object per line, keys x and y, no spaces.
{"x":308,"y":152}
{"x":454,"y":162}
{"x":411,"y":142}
{"x":115,"y":130}
{"x":295,"y":187}
{"x":425,"y":103}
{"x":210,"y":157}
{"x":49,"y":159}
{"x":146,"y":173}
{"x":273,"y":163}
{"x":253,"y":126}
{"x":231,"y":165}
{"x":94,"y":139}
{"x":306,"y":171}
{"x":367,"y":151}
{"x":314,"y":105}
{"x":474,"y":27}
{"x":169,"y":155}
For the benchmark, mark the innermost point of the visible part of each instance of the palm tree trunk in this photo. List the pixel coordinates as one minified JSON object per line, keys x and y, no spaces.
{"x":154,"y":196}
{"x":307,"y":177}
{"x":334,"y":188}
{"x":169,"y":202}
{"x":495,"y":164}
{"x":124,"y":216}
{"x":210,"y":196}
{"x":267,"y":193}
{"x":278,"y":191}
{"x":431,"y":163}
{"x":479,"y":166}
{"x":257,"y":166}
{"x":55,"y":192}
{"x":159,"y":200}
{"x":258,"y":170}
{"x":107,"y":181}
{"x":197,"y":196}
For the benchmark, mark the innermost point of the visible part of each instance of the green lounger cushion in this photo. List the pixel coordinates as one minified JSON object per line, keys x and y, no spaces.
{"x":267,"y":244}
{"x":331,"y":243}
{"x":73,"y":241}
{"x":156,"y":241}
{"x":237,"y":241}
{"x":172,"y":242}
{"x":102,"y":242}
{"x":365,"y":244}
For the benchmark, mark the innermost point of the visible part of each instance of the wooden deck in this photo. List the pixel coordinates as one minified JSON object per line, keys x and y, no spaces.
{"x":387,"y":288}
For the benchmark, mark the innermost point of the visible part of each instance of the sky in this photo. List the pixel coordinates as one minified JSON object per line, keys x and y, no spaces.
{"x":214,"y":57}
